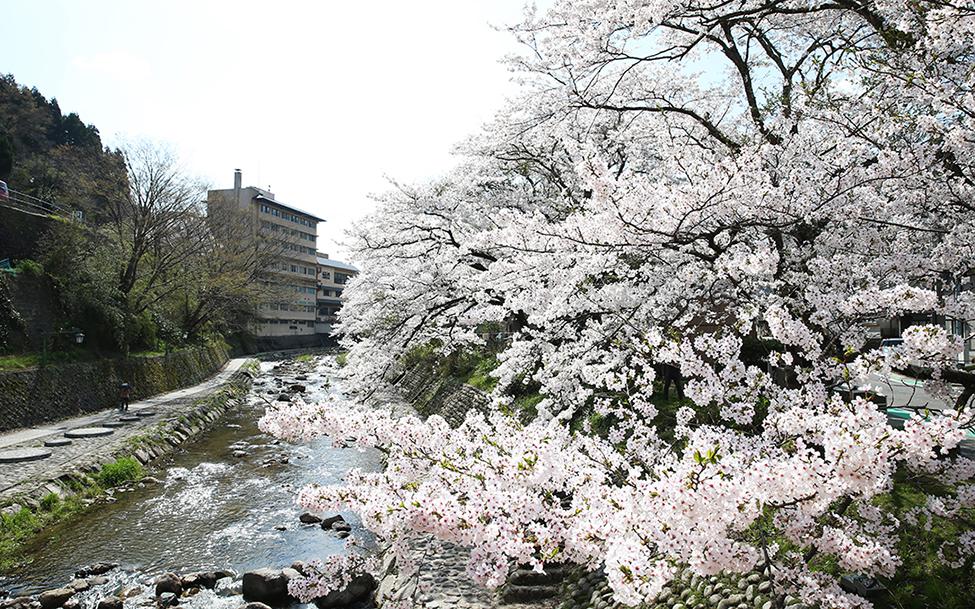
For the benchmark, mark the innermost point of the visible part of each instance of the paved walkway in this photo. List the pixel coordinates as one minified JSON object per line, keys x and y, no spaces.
{"x":15,"y":476}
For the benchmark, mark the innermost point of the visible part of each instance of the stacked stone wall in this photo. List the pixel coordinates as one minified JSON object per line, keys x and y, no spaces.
{"x":433,"y":394}
{"x":50,"y":393}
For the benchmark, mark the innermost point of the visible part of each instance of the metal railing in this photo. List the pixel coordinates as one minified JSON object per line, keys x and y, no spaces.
{"x":26,"y":202}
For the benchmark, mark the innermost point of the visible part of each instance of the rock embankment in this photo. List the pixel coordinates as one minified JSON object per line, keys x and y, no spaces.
{"x":103,"y":587}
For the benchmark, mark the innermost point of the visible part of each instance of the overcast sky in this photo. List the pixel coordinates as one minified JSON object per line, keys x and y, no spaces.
{"x":318,"y":100}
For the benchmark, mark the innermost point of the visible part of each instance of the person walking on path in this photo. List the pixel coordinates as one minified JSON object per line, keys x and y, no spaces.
{"x":124,"y":393}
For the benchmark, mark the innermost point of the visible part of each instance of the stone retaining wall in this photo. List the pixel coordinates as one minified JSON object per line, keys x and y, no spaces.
{"x":20,"y":231}
{"x":430,"y":394}
{"x":30,"y":397}
{"x":145,"y":445}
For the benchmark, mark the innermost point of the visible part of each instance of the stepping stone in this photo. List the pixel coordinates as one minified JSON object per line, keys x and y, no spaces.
{"x":57,"y":442}
{"x":88,"y":432}
{"x":145,"y":413}
{"x":128,"y":418}
{"x":19,"y":455}
{"x":112,"y":424}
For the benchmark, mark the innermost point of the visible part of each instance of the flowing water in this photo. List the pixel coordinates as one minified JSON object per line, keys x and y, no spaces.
{"x":210,"y":510}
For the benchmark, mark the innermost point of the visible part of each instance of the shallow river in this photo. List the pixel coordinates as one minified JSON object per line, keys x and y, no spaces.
{"x":211,"y":509}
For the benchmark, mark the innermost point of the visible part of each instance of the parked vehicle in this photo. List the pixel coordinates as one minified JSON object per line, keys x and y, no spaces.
{"x":4,"y":191}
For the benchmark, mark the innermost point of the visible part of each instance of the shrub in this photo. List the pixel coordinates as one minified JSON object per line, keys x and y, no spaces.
{"x":30,"y":268}
{"x":50,"y":501}
{"x":124,"y":469}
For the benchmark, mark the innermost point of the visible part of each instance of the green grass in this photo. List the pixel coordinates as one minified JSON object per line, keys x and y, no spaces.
{"x":305,"y":358}
{"x":17,"y":528}
{"x":24,"y":361}
{"x":342,"y":358}
{"x":124,"y":469}
{"x":923,"y":580}
{"x":480,"y":377}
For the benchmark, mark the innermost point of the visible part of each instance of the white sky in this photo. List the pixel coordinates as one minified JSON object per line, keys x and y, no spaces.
{"x":318,"y":100}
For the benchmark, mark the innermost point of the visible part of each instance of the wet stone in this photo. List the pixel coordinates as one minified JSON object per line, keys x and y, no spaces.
{"x":88,"y":432}
{"x":129,"y":418}
{"x":21,"y":455}
{"x":53,"y":442}
{"x":113,"y":424}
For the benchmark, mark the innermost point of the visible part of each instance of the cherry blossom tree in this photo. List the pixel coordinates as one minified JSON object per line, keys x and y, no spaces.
{"x":677,"y":183}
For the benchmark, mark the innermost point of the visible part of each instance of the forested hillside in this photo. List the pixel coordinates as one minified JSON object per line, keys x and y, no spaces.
{"x":54,"y":156}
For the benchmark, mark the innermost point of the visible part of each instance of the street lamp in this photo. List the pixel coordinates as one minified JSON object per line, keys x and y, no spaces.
{"x":77,"y":335}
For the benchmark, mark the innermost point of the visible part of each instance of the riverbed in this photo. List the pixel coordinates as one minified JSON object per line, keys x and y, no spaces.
{"x":221,"y":502}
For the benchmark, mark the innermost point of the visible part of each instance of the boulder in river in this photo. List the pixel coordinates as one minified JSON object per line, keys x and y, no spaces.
{"x":328,"y":521}
{"x":17,"y":603}
{"x":253,"y":606}
{"x":297,"y":388}
{"x":205,"y":579}
{"x":284,"y":397}
{"x":358,"y":590}
{"x":111,"y":602}
{"x":168,"y":582}
{"x":341,"y":526}
{"x":50,"y":599}
{"x":268,"y":585}
{"x":79,"y":585}
{"x":98,"y":568}
{"x":309,"y":518}
{"x":130,"y":591}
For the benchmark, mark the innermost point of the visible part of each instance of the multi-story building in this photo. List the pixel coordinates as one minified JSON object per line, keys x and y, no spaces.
{"x":332,"y":277}
{"x":292,"y":267}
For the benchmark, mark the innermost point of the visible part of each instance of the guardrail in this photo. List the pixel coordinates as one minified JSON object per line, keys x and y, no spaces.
{"x":26,"y":202}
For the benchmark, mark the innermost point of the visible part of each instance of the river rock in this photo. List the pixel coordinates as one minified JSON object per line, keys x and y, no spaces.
{"x":284,"y":397}
{"x":168,"y":582}
{"x":99,"y":568}
{"x":130,"y":591}
{"x":268,"y":585}
{"x":167,"y":599}
{"x":17,"y":603}
{"x":297,"y":388}
{"x":55,"y":598}
{"x":205,"y":579}
{"x":228,"y":587}
{"x":341,"y":525}
{"x":328,"y":521}
{"x":111,"y":602}
{"x":253,"y":606}
{"x":79,"y":585}
{"x":358,"y":590}
{"x":71,"y":603}
{"x":309,"y":518}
